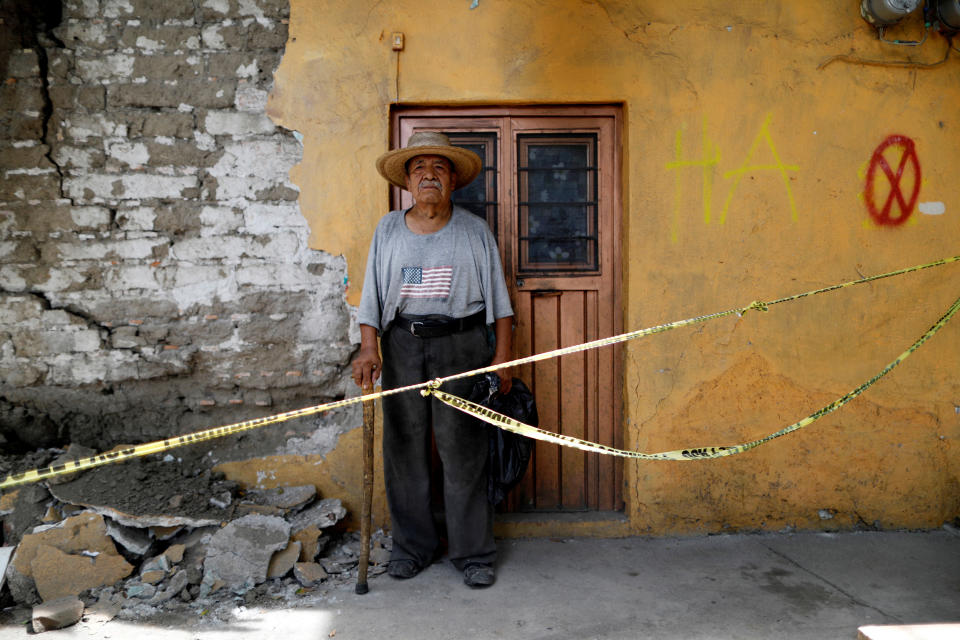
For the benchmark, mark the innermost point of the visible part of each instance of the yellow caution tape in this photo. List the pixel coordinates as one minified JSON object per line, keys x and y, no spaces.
{"x":693,"y":453}
{"x":159,"y":446}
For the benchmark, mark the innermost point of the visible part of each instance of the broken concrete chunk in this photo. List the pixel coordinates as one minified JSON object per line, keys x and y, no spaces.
{"x":309,"y":574}
{"x":58,"y":574}
{"x":325,"y":513}
{"x":177,"y":584}
{"x":239,"y":554}
{"x":246,"y":508}
{"x":135,"y":540}
{"x":221,"y":500}
{"x":57,"y":614}
{"x":164,"y":533}
{"x":8,"y":501}
{"x":282,"y":561}
{"x":5,"y":554}
{"x":86,"y":532}
{"x":338,"y":565}
{"x":282,"y":497}
{"x":311,"y":541}
{"x":174,"y":553}
{"x":140,"y":590}
{"x":28,"y":512}
{"x":379,"y":554}
{"x":153,"y":576}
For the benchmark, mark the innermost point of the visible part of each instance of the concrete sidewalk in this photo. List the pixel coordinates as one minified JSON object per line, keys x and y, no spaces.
{"x":799,"y":586}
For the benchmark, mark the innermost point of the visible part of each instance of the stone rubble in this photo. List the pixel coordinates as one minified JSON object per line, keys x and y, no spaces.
{"x":57,"y":614}
{"x":130,"y":572}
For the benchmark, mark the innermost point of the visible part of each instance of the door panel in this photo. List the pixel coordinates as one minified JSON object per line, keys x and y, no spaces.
{"x":550,"y":192}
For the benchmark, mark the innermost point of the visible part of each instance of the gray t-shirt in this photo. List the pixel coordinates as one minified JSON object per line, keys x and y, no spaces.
{"x":455,"y":271}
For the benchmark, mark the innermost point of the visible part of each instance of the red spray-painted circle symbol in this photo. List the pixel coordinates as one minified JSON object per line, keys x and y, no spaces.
{"x":908,"y":154}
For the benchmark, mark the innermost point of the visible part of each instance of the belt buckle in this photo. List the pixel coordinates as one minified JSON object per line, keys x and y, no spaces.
{"x":413,"y":327}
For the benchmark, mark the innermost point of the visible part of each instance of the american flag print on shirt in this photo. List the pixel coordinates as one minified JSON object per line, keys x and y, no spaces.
{"x":431,"y":282}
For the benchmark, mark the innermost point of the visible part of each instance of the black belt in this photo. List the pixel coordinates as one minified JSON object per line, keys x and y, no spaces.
{"x":434,"y":327}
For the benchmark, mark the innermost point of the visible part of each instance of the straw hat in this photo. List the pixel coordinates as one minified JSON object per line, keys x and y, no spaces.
{"x":392,"y":164}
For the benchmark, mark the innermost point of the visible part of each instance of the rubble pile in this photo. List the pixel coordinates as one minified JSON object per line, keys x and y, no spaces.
{"x":149,"y":535}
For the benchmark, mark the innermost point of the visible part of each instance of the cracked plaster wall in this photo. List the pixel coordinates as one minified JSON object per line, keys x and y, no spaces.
{"x":744,"y":160}
{"x":155,"y":275}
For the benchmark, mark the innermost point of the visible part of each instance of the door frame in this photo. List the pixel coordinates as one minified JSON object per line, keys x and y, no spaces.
{"x":485,"y":118}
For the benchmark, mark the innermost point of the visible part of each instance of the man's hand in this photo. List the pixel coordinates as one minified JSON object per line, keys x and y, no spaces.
{"x":367,"y":364}
{"x":506,"y":375}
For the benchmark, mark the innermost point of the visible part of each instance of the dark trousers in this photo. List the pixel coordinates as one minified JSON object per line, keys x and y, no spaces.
{"x":461,"y":443}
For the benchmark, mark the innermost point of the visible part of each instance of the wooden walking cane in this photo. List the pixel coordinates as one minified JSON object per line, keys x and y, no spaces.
{"x":367,"y":499}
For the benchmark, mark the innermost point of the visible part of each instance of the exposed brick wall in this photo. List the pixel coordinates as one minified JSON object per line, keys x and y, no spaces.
{"x":154,"y":270}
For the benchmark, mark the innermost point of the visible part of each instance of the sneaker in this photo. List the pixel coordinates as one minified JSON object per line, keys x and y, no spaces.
{"x":478,"y":575}
{"x":403,"y":569}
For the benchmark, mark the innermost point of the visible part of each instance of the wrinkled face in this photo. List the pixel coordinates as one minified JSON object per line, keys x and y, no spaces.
{"x":431,"y":179}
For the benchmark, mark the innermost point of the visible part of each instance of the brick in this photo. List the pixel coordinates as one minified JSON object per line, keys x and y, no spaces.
{"x":168,"y":67}
{"x":25,"y":127}
{"x":145,"y":123}
{"x":81,"y":8}
{"x":66,"y":97}
{"x":116,"y":9}
{"x":166,"y":10}
{"x":18,"y":251}
{"x":136,"y":218}
{"x":96,"y":367}
{"x":76,"y":157}
{"x":227,"y":64}
{"x":59,"y":64}
{"x":20,"y":310}
{"x":23,"y":63}
{"x":276,"y":8}
{"x":219,"y":221}
{"x":92,"y":98}
{"x":25,"y":96}
{"x":165,"y":38}
{"x":139,"y":249}
{"x":105,"y":67}
{"x":181,"y":153}
{"x":269,"y":158}
{"x":272,"y":35}
{"x":97,"y":35}
{"x":128,"y":153}
{"x":60,"y":279}
{"x":224,"y":35}
{"x":125,"y":277}
{"x":15,"y":157}
{"x":249,"y":98}
{"x":182,"y":217}
{"x":59,"y":215}
{"x":47,"y":343}
{"x":80,"y":126}
{"x":205,"y":249}
{"x":213,"y":95}
{"x":90,"y":188}
{"x":240,"y":124}
{"x":26,"y":187}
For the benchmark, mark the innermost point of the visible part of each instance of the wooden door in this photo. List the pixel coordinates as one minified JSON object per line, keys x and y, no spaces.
{"x":550,"y":191}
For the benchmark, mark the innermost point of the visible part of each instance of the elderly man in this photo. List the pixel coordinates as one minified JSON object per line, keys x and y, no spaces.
{"x":433,"y":284}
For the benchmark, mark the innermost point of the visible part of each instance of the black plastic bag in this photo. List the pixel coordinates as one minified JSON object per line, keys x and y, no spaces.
{"x":509,"y":452}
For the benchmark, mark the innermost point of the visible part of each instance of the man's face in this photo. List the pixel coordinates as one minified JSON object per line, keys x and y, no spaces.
{"x":430,"y":179}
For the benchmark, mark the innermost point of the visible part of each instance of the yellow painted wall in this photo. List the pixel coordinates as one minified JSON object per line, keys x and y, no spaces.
{"x":745,"y":160}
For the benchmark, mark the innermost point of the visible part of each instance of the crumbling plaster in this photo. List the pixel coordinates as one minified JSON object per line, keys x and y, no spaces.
{"x":155,"y":273}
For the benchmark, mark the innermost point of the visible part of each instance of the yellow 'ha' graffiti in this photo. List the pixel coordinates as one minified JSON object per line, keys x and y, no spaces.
{"x":710,"y":158}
